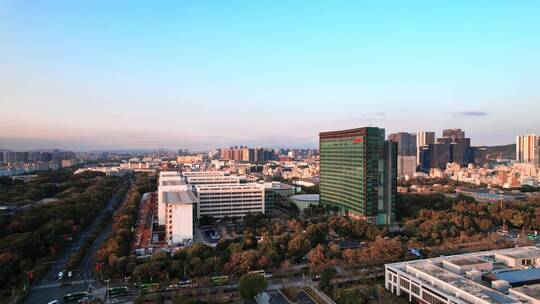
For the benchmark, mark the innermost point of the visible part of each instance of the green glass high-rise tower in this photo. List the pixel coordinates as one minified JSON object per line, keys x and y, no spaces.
{"x":359,"y":173}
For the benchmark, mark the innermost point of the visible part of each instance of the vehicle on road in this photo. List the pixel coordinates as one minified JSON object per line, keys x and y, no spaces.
{"x":53,"y":302}
{"x":185,"y":284}
{"x":219,"y":280}
{"x":179,"y":285}
{"x":265,"y":274}
{"x":118,"y":291}
{"x":149,"y":288}
{"x":84,"y":300}
{"x":74,"y":297}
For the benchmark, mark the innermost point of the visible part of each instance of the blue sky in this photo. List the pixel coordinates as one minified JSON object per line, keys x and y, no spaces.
{"x":201,"y":74}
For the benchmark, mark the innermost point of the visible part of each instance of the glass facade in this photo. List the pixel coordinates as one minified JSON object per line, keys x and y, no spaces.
{"x":358,"y":170}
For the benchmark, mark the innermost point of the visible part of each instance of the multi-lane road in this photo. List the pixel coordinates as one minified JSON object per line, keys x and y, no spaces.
{"x":49,"y":288}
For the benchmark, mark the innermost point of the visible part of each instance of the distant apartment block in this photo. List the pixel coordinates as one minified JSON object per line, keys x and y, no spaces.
{"x":453,"y":147}
{"x":527,"y":149}
{"x":406,"y":143}
{"x":245,"y":154}
{"x":406,"y":165}
{"x":423,"y":139}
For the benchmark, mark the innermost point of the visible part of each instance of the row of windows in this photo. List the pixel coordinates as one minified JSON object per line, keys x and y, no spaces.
{"x":237,"y":201}
{"x":230,"y":206}
{"x":202,"y":196}
{"x":231,"y":212}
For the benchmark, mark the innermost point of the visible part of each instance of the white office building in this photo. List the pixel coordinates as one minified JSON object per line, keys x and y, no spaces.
{"x":179,"y":216}
{"x":505,"y":276}
{"x":168,"y":185}
{"x":232,"y":200}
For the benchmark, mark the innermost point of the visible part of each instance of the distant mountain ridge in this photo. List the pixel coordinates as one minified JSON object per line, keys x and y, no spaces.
{"x":485,"y":153}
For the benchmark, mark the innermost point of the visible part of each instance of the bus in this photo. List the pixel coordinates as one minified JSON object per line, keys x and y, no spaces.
{"x":118,"y":291}
{"x":149,"y":288}
{"x":74,"y":297}
{"x":265,"y":274}
{"x":219,"y":280}
{"x":261,"y":272}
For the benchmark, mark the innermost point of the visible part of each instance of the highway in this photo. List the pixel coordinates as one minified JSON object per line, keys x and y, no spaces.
{"x":49,"y":288}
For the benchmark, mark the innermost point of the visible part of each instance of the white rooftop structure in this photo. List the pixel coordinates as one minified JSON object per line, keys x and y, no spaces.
{"x":481,"y":278}
{"x":212,"y":180}
{"x":168,"y":181}
{"x":203,"y":173}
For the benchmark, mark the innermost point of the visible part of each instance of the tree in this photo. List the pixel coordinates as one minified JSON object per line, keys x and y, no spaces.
{"x":206,"y":220}
{"x":326,"y":276}
{"x":251,"y":285}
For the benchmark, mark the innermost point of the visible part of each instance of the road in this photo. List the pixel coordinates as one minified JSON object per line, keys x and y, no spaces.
{"x":48,"y":288}
{"x":229,"y":291}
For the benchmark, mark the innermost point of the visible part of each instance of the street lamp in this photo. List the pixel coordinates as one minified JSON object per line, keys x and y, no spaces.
{"x":107,"y":291}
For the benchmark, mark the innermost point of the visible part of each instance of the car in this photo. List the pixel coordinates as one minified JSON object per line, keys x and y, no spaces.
{"x":53,"y":302}
{"x":267,"y":275}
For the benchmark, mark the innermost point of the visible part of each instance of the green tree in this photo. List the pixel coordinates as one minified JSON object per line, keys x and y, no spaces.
{"x":326,"y":276}
{"x":251,"y":285}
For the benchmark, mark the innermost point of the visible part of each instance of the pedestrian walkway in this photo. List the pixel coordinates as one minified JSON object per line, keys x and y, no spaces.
{"x":58,"y":284}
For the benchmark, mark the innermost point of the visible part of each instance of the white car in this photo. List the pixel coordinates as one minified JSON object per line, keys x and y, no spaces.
{"x":53,"y":302}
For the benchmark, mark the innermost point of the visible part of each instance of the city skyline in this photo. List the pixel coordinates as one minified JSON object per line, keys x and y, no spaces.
{"x":106,"y":75}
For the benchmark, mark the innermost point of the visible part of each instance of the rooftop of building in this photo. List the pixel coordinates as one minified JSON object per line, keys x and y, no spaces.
{"x":229,"y":186}
{"x":462,"y":283}
{"x":467,"y":261}
{"x":169,"y":173}
{"x":179,"y":197}
{"x":348,"y":132}
{"x":306,"y":197}
{"x":281,"y":186}
{"x":532,"y":291}
{"x":216,"y":177}
{"x":172,"y":182}
{"x":203,"y":173}
{"x":521,"y":252}
{"x":491,"y":191}
{"x":519,"y":276}
{"x":452,"y":282}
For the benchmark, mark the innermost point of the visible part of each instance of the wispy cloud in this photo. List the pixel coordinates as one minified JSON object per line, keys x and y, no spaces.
{"x":470,"y":113}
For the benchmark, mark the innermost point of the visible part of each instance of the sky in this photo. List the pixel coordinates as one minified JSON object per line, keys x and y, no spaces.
{"x":86,"y":75}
